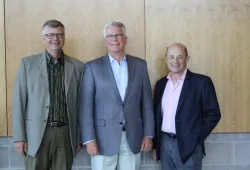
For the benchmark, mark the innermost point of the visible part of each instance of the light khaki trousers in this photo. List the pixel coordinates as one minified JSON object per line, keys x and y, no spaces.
{"x":124,"y":160}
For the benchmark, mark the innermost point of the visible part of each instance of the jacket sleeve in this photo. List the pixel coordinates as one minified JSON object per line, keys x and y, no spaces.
{"x":78,"y":134}
{"x":20,"y":97}
{"x":147,"y":106}
{"x":155,"y":104}
{"x":211,"y":110}
{"x":87,"y":97}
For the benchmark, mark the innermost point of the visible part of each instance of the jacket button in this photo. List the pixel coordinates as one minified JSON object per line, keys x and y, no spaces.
{"x":177,"y":120}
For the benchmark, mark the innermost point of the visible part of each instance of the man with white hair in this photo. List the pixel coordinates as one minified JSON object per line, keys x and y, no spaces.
{"x":116,"y":110}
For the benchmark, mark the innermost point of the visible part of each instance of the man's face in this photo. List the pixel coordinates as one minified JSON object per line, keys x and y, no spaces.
{"x":115,"y":40}
{"x":54,"y":39}
{"x":176,"y":59}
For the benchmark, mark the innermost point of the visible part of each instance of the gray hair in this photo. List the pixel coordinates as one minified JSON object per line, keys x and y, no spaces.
{"x":114,"y":24}
{"x":52,"y":24}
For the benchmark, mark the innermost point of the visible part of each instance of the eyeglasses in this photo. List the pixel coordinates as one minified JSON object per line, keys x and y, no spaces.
{"x":52,"y":35}
{"x":114,"y":36}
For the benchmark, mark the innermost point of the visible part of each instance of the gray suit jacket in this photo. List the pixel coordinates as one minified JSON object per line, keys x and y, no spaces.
{"x":102,"y":109}
{"x":31,"y":100}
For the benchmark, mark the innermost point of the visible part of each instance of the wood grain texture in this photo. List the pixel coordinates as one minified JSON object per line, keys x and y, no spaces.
{"x":84,"y":22}
{"x":3,"y":117}
{"x":216,"y":33}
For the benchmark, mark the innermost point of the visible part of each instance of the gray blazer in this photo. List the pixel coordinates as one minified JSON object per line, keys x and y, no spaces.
{"x":102,"y":109}
{"x":31,"y":100}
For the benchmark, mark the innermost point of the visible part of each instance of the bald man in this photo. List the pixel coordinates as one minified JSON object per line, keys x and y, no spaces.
{"x":186,"y":111}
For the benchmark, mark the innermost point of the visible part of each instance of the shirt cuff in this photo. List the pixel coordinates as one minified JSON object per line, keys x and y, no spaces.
{"x":87,"y":142}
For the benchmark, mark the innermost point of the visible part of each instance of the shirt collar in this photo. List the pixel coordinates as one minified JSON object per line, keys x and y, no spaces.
{"x":183,"y":76}
{"x":111,"y":59}
{"x":52,"y":61}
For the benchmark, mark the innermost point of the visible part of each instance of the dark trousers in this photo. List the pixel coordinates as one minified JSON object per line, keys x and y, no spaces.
{"x":170,"y":157}
{"x":55,"y":151}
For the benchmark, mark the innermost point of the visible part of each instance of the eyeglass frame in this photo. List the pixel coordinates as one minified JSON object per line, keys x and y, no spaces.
{"x":110,"y":36}
{"x":52,"y":35}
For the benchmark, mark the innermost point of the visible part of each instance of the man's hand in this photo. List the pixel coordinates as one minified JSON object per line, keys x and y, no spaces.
{"x":21,"y":147}
{"x":78,"y":148}
{"x":92,"y":148}
{"x":147,"y":144}
{"x":154,"y":154}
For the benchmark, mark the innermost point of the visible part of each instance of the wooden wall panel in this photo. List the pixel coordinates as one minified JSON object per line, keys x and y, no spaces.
{"x":84,"y":22}
{"x":3,"y":118}
{"x":216,"y":33}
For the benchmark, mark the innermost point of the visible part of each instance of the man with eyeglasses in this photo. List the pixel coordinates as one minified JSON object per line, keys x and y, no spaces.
{"x":116,"y":110}
{"x":45,"y":104}
{"x":186,"y":111}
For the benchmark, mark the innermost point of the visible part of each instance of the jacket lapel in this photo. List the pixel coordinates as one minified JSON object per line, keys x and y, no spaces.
{"x":184,"y":91}
{"x":43,"y":68}
{"x":111,"y":77}
{"x":68,"y":70}
{"x":131,"y":68}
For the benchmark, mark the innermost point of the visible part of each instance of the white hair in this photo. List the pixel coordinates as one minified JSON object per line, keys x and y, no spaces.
{"x":115,"y":24}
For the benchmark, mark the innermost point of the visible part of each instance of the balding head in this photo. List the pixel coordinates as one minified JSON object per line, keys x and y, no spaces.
{"x":180,"y":46}
{"x":177,"y":58}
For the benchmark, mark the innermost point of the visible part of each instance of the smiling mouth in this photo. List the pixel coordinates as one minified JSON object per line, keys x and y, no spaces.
{"x":55,"y":43}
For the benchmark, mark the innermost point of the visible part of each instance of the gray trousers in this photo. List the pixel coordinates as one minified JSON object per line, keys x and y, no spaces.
{"x":55,"y":152}
{"x":170,"y":157}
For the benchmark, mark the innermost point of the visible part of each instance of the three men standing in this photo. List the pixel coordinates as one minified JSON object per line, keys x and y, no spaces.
{"x":116,"y":110}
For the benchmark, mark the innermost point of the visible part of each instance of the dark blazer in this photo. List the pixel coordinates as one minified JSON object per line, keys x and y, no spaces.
{"x":102,"y":109}
{"x":197,"y":113}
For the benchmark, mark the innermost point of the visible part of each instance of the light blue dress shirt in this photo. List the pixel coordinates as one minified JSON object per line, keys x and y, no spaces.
{"x":120,"y":72}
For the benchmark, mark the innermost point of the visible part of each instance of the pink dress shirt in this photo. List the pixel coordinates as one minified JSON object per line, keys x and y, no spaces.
{"x":170,"y":101}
